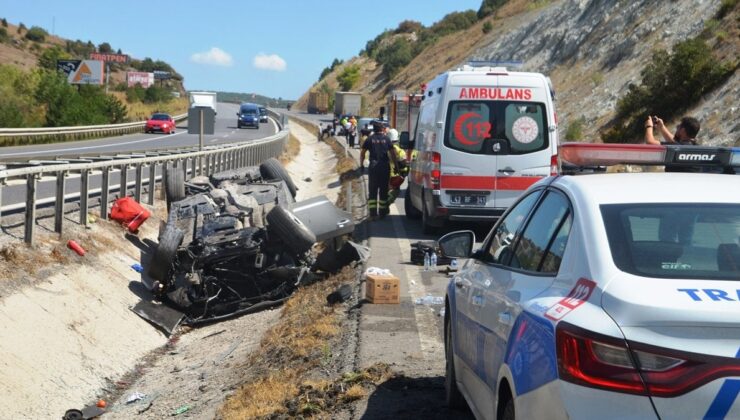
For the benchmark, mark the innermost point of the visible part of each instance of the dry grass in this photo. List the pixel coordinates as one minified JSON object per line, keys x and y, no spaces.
{"x":292,"y":149}
{"x":139,"y":111}
{"x":262,"y":397}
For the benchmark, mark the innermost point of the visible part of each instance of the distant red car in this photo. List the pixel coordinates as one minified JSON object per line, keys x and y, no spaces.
{"x":160,"y":122}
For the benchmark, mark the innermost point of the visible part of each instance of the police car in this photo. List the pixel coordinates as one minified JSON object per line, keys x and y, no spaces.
{"x":612,"y":295}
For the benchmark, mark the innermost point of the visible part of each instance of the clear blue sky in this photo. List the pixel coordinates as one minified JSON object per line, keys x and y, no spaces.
{"x":274,"y":47}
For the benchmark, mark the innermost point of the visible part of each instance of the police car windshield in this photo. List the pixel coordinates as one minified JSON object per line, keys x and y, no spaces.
{"x":677,"y":241}
{"x":474,"y":126}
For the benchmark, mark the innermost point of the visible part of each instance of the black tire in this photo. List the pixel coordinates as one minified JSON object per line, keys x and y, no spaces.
{"x":507,"y":412}
{"x":427,"y":227}
{"x":164,"y":256}
{"x":175,"y":186}
{"x":272,"y":169}
{"x":291,"y":231}
{"x":411,"y":211}
{"x":453,"y":397}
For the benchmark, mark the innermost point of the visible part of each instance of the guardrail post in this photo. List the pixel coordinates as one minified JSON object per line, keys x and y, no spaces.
{"x":137,"y":187}
{"x":184,"y":168}
{"x":123,"y":187}
{"x":104,"y":190}
{"x":162,"y":192}
{"x":84,"y":190}
{"x":152,"y":182}
{"x":2,"y":184}
{"x":30,"y":207}
{"x":59,"y":204}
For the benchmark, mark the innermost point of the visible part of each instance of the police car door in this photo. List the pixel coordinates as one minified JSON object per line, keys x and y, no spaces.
{"x":524,"y":145}
{"x":490,"y":320}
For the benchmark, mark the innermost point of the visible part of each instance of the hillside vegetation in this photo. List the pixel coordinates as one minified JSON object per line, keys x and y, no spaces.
{"x":34,"y":94}
{"x":611,"y":63}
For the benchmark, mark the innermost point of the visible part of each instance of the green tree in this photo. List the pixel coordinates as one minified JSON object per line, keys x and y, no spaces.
{"x":349,"y":77}
{"x":489,"y":7}
{"x":105,"y":48}
{"x":36,"y":34}
{"x":453,"y":22}
{"x":671,"y":83}
{"x":18,"y":107}
{"x":487,"y":27}
{"x":395,"y":56}
{"x":408,"y":27}
{"x":5,"y":23}
{"x":48,"y":58}
{"x":4,"y":37}
{"x":21,"y":27}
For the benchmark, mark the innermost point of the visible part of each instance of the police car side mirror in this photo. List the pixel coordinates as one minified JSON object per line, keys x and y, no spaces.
{"x":457,"y":244}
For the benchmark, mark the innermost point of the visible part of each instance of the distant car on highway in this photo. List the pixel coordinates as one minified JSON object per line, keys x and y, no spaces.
{"x":248,"y":116}
{"x":263,"y":114}
{"x":604,"y":295}
{"x":162,"y":123}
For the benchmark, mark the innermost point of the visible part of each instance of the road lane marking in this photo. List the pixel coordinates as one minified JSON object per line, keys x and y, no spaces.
{"x":90,"y":147}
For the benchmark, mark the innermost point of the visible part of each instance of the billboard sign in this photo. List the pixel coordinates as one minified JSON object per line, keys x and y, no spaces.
{"x":161,"y":75}
{"x":82,"y":72}
{"x":109,"y":58}
{"x":139,"y":77}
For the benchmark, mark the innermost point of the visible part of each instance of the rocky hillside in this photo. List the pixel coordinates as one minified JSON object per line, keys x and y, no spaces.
{"x":592,"y":49}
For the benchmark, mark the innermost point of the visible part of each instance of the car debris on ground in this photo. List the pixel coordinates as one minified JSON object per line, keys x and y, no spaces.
{"x":237,"y":242}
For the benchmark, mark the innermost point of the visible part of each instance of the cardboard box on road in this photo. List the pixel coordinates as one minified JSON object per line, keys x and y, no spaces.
{"x":383,"y":289}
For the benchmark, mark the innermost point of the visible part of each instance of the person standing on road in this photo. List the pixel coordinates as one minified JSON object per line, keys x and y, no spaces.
{"x":398,"y":172}
{"x":381,"y":158}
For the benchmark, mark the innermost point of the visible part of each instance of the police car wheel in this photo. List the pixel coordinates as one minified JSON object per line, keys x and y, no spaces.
{"x":175,"y":186}
{"x":411,"y":211}
{"x":164,"y":256}
{"x":453,"y":397}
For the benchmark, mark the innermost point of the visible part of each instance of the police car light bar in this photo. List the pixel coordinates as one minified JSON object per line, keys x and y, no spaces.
{"x":592,"y":154}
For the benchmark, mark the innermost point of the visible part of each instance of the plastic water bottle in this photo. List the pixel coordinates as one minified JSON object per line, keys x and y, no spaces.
{"x":433,"y":261}
{"x":453,"y":264}
{"x":427,"y":261}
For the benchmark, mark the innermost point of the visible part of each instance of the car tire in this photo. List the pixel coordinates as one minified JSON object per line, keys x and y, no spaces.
{"x":271,"y":169}
{"x":507,"y":412}
{"x":292,"y":232}
{"x":164,"y":256}
{"x":411,"y":211}
{"x":174,"y":188}
{"x":427,"y":227}
{"x":453,"y":397}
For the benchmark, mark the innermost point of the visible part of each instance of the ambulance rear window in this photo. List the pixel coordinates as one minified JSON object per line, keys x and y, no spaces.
{"x":474,"y":126}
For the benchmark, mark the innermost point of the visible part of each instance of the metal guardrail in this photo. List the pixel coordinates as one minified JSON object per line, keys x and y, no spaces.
{"x":191,"y":161}
{"x":103,"y":129}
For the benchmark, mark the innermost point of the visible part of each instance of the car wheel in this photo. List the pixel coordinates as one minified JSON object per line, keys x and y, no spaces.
{"x":411,"y":211}
{"x":427,"y":227}
{"x":272,"y":169}
{"x":164,"y":256}
{"x":453,"y":397}
{"x":286,"y":226}
{"x":175,"y":186}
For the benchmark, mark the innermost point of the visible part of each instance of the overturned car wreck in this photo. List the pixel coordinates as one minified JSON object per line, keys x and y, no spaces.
{"x":237,"y":242}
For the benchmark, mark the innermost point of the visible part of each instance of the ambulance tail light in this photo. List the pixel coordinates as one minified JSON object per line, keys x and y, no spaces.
{"x":593,"y":154}
{"x":596,"y":361}
{"x":435,"y":174}
{"x":554,"y":165}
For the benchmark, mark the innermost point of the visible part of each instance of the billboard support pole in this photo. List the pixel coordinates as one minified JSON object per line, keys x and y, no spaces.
{"x":200,"y":142}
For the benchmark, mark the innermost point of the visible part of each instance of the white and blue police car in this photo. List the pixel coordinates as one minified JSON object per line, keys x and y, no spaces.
{"x":610,"y":295}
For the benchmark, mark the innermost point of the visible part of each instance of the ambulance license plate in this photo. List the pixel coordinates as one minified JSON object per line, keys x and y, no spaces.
{"x":468,"y":200}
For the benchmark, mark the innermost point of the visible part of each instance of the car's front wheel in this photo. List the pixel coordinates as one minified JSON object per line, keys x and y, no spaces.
{"x":453,"y":397}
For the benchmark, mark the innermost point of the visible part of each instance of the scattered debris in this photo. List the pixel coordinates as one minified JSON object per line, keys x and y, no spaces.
{"x":375,"y":271}
{"x":136,"y":396}
{"x":307,"y":179}
{"x":214,"y":333}
{"x":74,"y":246}
{"x":441,"y":312}
{"x":129,"y":213}
{"x":421,"y":248}
{"x":101,"y":403}
{"x":137,"y":267}
{"x":181,"y":410}
{"x":341,"y":294}
{"x":430,"y":300}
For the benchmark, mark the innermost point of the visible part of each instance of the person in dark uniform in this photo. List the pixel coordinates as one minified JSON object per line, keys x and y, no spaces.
{"x":381,"y":158}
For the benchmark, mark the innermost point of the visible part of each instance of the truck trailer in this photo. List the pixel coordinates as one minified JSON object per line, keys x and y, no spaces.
{"x":347,"y":103}
{"x":318,"y":102}
{"x":204,"y":99}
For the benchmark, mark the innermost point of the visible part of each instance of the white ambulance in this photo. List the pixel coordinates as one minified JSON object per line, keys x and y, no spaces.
{"x":483,"y":136}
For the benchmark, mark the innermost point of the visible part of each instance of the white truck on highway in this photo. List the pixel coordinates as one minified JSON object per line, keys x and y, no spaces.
{"x":347,"y":103}
{"x":207,"y":99}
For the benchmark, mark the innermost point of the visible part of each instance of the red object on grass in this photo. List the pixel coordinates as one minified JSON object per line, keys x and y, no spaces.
{"x":129,"y":213}
{"x":74,"y":246}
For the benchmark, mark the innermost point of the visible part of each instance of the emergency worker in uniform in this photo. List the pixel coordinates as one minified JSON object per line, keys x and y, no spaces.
{"x":397,"y":175}
{"x":379,"y":146}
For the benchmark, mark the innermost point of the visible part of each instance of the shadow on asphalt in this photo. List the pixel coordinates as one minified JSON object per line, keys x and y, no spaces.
{"x":411,"y":398}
